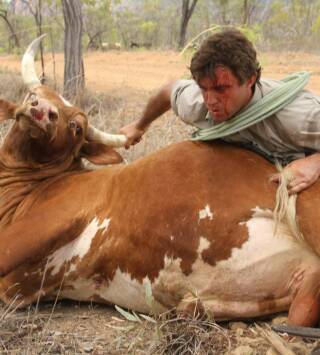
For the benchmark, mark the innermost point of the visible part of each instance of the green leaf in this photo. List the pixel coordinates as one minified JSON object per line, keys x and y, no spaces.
{"x":149,"y":319}
{"x":149,"y":296}
{"x":137,"y":317}
{"x":127,"y":315}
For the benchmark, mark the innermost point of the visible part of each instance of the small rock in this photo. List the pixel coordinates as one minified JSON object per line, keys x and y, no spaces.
{"x":29,"y":326}
{"x":88,"y":348}
{"x":237,"y":325}
{"x":279,"y":320}
{"x":271,"y":351}
{"x":242,"y":350}
{"x":57,"y":333}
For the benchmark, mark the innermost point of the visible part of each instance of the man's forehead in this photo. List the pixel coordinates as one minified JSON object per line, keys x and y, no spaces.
{"x":221,"y":75}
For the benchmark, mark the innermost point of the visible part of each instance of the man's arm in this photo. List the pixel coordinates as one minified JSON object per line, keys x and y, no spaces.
{"x":156,"y":106}
{"x":299,"y":122}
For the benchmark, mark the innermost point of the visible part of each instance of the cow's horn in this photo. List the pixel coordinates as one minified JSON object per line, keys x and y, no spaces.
{"x":29,"y":75}
{"x":113,"y":140}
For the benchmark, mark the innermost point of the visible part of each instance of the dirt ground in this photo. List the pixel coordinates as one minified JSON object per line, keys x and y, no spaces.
{"x":120,"y":83}
{"x":143,"y":71}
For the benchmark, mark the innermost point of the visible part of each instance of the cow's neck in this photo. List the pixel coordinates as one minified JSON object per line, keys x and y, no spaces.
{"x":21,"y":174}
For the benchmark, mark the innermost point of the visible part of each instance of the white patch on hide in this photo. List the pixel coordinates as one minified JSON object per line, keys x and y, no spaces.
{"x":77,"y":248}
{"x":205,"y":213}
{"x":127,"y":292}
{"x":80,"y":289}
{"x":204,"y":244}
{"x":262,"y":244}
{"x":259,"y":212}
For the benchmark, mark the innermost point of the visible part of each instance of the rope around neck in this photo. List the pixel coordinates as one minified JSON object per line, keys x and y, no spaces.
{"x":259,"y":110}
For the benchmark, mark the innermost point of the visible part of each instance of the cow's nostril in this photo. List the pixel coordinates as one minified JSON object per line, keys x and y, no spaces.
{"x":36,"y":114}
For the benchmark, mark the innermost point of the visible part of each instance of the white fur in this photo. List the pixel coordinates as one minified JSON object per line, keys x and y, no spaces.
{"x":77,"y":248}
{"x":205,"y":213}
{"x":254,"y":271}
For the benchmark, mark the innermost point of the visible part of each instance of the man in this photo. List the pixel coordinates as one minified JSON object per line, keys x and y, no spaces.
{"x":226,"y":83}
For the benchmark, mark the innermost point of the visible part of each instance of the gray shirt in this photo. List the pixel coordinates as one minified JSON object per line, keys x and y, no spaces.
{"x":286,"y":135}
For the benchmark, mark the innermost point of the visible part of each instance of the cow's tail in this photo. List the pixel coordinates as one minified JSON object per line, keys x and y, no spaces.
{"x":285,"y":208}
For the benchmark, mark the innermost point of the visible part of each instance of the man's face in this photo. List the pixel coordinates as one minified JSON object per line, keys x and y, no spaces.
{"x":223,"y":95}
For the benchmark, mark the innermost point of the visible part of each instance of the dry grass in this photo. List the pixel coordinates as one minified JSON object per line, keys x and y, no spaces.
{"x":74,"y":328}
{"x":190,"y":334}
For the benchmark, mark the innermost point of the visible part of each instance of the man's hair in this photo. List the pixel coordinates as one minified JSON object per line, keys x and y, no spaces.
{"x":229,"y":48}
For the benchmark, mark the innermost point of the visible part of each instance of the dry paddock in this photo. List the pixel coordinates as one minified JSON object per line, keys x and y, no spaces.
{"x":118,"y":85}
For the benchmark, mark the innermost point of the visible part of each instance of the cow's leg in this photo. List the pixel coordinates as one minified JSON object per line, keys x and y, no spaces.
{"x":225,"y":310}
{"x":305,"y":308}
{"x":35,"y":235}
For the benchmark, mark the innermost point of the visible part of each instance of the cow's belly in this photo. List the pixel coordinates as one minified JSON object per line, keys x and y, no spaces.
{"x":259,"y":278}
{"x":122,"y":290}
{"x":266,"y":268}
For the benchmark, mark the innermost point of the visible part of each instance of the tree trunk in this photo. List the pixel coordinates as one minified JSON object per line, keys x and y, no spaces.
{"x":39,"y":24}
{"x":74,"y":81}
{"x":245,"y":12}
{"x":185,"y":17}
{"x":248,"y":10}
{"x":224,"y":7}
{"x":36,"y":12}
{"x":4,"y":16}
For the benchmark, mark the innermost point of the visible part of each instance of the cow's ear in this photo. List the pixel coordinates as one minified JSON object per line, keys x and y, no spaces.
{"x":7,"y":110}
{"x":100,"y":154}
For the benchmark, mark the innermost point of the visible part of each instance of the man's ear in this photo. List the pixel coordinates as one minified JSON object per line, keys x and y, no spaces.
{"x":100,"y":154}
{"x":7,"y":110}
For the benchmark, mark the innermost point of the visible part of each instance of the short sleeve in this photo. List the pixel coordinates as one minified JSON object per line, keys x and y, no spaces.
{"x":187,"y":103}
{"x":302,"y":120}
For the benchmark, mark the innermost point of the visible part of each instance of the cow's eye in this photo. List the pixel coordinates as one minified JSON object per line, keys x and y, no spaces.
{"x":75,"y":127}
{"x":78,"y":130}
{"x":33,"y":99}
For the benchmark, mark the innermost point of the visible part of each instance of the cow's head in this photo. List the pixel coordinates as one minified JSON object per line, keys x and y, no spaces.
{"x":48,"y":128}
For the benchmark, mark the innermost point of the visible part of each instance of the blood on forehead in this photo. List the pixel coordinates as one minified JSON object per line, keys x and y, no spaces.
{"x":224,"y":77}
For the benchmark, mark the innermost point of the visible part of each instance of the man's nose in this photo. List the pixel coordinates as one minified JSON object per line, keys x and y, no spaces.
{"x":211,"y":98}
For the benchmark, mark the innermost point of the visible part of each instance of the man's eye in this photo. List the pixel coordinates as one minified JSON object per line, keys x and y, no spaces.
{"x":220,"y":88}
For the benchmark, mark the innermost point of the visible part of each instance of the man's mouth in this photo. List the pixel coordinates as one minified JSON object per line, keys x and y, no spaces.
{"x":215,"y":111}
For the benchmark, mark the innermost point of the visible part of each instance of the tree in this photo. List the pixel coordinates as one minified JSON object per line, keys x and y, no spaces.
{"x":97,"y":21}
{"x":248,"y":9}
{"x":223,"y":4}
{"x":4,"y":15}
{"x":35,"y":10}
{"x":187,"y":10}
{"x":74,"y":81}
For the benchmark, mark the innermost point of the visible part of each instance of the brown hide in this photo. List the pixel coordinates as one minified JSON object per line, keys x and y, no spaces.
{"x":7,"y":110}
{"x":148,"y":202}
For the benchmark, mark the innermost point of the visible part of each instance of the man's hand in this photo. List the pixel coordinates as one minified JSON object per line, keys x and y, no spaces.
{"x":158,"y":104}
{"x":133,"y":133}
{"x":305,"y":171}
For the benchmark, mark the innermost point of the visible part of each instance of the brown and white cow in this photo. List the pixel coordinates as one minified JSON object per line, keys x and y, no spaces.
{"x":193,"y":220}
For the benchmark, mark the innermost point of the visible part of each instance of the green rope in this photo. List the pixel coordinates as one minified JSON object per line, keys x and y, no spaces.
{"x":259,"y":110}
